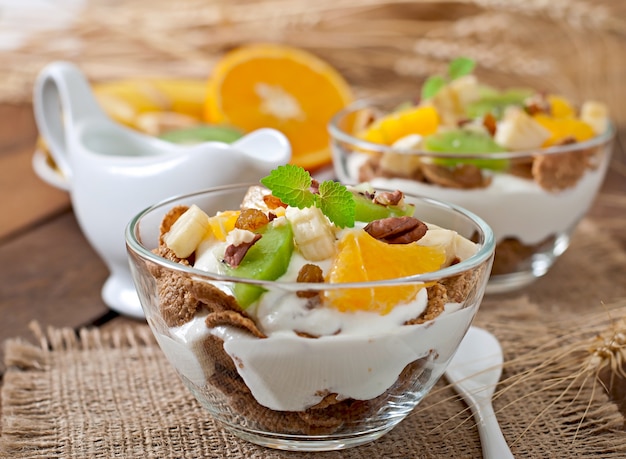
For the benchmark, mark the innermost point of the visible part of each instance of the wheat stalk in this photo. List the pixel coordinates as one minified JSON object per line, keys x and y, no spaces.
{"x":372,"y":42}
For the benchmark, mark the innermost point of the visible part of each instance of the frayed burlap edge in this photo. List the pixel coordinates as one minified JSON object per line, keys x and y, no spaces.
{"x":38,"y":412}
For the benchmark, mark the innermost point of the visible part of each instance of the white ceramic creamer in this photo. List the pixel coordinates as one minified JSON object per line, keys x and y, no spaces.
{"x":114,"y":172}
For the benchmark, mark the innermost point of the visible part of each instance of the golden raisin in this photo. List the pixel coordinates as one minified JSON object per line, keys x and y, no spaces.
{"x":272,"y":202}
{"x":309,"y":273}
{"x":251,"y":220}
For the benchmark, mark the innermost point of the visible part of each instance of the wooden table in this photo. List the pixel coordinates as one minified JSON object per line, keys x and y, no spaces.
{"x":51,"y":275}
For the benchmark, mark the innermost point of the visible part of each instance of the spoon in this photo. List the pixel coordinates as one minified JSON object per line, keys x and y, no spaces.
{"x":474,"y":371}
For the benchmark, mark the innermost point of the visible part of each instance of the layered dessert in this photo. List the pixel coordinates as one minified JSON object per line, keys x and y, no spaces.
{"x":319,"y":343}
{"x":513,"y":156}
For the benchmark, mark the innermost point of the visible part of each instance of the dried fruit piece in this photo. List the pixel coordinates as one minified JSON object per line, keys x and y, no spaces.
{"x":309,"y":273}
{"x":251,"y":219}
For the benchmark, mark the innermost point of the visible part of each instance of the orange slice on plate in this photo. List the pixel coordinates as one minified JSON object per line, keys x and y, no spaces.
{"x":361,"y":258}
{"x":278,"y":86}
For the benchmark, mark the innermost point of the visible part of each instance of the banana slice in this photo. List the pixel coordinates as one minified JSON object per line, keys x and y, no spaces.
{"x":519,"y":131}
{"x":596,"y":115}
{"x":187,"y":232}
{"x":312,"y":232}
{"x":454,"y":244}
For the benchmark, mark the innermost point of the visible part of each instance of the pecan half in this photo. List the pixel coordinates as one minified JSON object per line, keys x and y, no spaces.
{"x":389,"y":198}
{"x":235,"y":253}
{"x":397,"y":230}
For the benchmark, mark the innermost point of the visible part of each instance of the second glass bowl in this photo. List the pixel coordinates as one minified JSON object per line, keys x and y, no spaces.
{"x":533,"y":203}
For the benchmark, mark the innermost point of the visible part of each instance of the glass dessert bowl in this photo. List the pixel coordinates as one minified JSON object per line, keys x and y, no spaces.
{"x":529,"y":164}
{"x":313,"y":360}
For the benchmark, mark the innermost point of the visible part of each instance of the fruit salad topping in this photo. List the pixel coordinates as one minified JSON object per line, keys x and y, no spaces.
{"x":335,"y":234}
{"x":469,"y":122}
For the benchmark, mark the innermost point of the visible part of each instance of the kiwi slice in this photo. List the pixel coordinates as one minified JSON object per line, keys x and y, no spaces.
{"x":495,"y":102}
{"x":267,"y":259}
{"x":367,"y":211}
{"x":202,"y":133}
{"x":469,"y":142}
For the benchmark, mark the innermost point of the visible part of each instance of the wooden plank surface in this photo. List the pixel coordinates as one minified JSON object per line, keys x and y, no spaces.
{"x":48,"y":271}
{"x":25,"y":199}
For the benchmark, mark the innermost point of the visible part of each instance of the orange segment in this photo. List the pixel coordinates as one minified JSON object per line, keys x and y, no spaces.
{"x":560,"y":107}
{"x":223,"y":222}
{"x":268,"y":85}
{"x":563,"y":128}
{"x":416,"y":120}
{"x":362,"y":258}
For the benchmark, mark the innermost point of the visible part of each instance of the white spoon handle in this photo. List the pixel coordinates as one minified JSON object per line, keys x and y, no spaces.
{"x":493,"y":442}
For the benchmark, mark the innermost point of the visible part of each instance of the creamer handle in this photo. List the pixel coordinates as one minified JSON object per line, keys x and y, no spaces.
{"x":62,"y":97}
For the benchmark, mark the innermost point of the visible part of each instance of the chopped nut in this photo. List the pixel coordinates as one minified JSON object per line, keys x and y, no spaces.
{"x":389,"y":198}
{"x":235,"y":253}
{"x":397,"y":230}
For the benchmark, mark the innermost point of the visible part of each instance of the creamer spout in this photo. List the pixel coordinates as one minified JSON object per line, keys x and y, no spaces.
{"x":264,"y":149}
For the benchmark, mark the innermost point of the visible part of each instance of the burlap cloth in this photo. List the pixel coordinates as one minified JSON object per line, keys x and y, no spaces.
{"x":110,"y":394}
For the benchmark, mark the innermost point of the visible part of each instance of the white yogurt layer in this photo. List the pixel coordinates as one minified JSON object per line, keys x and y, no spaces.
{"x":291,"y":373}
{"x":286,"y":372}
{"x":512,"y":206}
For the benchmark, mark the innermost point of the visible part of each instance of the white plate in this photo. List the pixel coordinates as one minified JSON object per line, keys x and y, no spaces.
{"x":47,"y":173}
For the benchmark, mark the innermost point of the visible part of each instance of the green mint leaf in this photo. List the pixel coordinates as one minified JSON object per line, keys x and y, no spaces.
{"x":459,"y":67}
{"x":337,"y":203}
{"x":291,"y":184}
{"x":432,"y":86}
